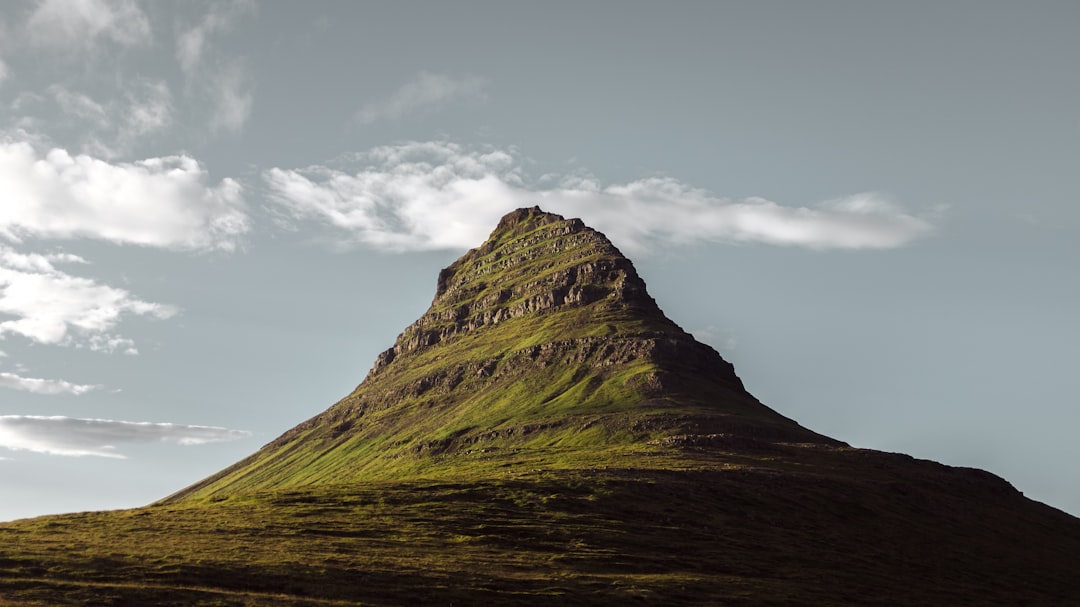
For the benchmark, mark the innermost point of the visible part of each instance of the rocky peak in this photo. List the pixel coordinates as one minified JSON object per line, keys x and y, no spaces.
{"x":533,"y":263}
{"x":527,"y":235}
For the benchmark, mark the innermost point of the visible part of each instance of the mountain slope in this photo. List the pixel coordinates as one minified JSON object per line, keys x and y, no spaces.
{"x":542,"y":346}
{"x":544,"y":435}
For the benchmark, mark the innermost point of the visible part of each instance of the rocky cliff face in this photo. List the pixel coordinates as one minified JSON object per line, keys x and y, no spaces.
{"x":534,"y":263}
{"x":542,"y":340}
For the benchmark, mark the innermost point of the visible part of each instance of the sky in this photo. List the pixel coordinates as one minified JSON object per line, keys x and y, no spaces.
{"x":214,"y":215}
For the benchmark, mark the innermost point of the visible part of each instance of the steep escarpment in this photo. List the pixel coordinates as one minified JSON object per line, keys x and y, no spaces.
{"x":543,"y":346}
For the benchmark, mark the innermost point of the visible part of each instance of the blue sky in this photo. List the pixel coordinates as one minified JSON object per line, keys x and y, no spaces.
{"x":214,"y":215}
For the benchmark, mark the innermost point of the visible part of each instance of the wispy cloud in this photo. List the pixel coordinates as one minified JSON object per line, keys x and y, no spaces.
{"x":426,"y":91}
{"x":79,"y":105}
{"x":58,"y":435}
{"x":162,"y":202}
{"x":224,"y":81}
{"x":193,"y":43}
{"x":110,"y":127}
{"x":438,"y":195}
{"x":53,"y":307}
{"x":720,"y":339}
{"x":232,"y":97}
{"x":148,"y":109}
{"x":37,"y":385}
{"x":78,"y":25}
{"x":114,"y":127}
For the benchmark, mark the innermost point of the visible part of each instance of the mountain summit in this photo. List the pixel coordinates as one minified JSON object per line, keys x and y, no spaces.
{"x":543,"y":346}
{"x":544,"y":435}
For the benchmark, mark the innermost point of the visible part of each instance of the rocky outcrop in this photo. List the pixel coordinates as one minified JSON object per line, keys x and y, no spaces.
{"x":533,"y":263}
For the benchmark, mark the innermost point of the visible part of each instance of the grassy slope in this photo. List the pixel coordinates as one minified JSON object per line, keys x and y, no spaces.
{"x":772,"y":526}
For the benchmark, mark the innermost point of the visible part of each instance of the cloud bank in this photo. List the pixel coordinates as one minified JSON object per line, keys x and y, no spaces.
{"x":162,"y":202}
{"x":165,"y":203}
{"x":36,"y":385}
{"x":438,"y":195}
{"x":426,"y":91}
{"x":58,"y":435}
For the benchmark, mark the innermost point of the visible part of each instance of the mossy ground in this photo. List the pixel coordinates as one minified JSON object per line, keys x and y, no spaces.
{"x":784,"y":525}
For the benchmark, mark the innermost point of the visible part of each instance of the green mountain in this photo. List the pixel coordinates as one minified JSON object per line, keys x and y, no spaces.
{"x":543,"y":435}
{"x":543,"y":348}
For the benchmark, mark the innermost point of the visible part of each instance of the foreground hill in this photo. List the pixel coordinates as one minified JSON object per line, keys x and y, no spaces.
{"x":544,"y":435}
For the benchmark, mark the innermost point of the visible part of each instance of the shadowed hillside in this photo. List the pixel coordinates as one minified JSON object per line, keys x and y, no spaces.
{"x":542,"y":435}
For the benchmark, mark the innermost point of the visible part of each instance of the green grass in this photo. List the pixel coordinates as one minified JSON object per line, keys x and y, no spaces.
{"x":795,"y":525}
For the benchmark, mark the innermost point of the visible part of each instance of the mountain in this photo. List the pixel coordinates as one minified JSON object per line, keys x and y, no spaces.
{"x":542,"y":346}
{"x":543,"y":434}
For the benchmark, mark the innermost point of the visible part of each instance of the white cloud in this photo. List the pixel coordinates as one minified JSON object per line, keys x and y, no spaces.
{"x":435,"y":195}
{"x":71,"y":436}
{"x":79,"y":24}
{"x":162,"y":202}
{"x":5,"y":72}
{"x":427,"y":90}
{"x":116,"y":343}
{"x":56,"y":308}
{"x":44,"y":386}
